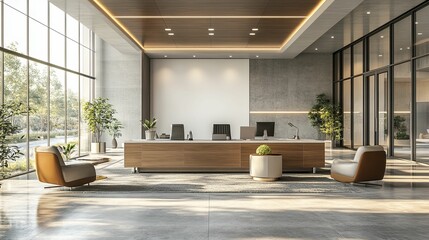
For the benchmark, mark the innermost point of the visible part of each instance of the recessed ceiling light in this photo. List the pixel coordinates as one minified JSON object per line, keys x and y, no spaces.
{"x":165,"y":56}
{"x":332,"y":36}
{"x":252,"y":34}
{"x":193,"y":56}
{"x":400,"y":49}
{"x":368,"y":12}
{"x":171,"y":34}
{"x":419,"y":34}
{"x":257,"y":56}
{"x":168,"y":29}
{"x":408,"y":48}
{"x":316,"y":49}
{"x":255,"y":29}
{"x":381,"y":36}
{"x":211,"y":34}
{"x":211,"y":29}
{"x":380,"y":55}
{"x":230,"y":56}
{"x":417,"y":22}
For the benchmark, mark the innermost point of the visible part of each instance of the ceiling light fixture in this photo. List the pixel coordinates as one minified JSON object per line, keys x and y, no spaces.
{"x":211,"y":34}
{"x":255,"y":29}
{"x":211,"y":29}
{"x":381,"y":36}
{"x":408,"y":48}
{"x":230,"y":56}
{"x":400,"y":49}
{"x":257,"y":56}
{"x":171,"y":34}
{"x":332,"y":36}
{"x":168,"y":29}
{"x":252,"y":34}
{"x":419,"y":34}
{"x":193,"y":56}
{"x":316,"y":49}
{"x":380,"y":55}
{"x":165,"y":56}
{"x":368,"y":12}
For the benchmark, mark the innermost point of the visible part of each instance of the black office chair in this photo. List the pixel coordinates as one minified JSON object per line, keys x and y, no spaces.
{"x":222,"y":129}
{"x":177,"y":132}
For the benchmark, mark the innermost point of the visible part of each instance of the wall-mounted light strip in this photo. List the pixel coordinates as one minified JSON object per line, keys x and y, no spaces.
{"x":278,"y":112}
{"x":123,"y":28}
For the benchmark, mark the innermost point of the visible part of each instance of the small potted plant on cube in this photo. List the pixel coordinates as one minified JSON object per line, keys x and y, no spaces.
{"x":265,"y":166}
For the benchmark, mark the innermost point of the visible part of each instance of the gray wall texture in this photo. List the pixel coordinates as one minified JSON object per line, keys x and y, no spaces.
{"x":289,"y":85}
{"x":119,"y":78}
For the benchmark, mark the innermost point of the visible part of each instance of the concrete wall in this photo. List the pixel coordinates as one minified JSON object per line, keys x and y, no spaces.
{"x":119,"y":78}
{"x":289,"y":85}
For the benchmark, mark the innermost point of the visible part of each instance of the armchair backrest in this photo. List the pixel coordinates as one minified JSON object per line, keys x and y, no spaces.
{"x":371,"y":163}
{"x":364,"y":149}
{"x":49,"y":164}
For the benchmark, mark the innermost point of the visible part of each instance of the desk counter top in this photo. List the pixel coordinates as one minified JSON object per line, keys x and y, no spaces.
{"x":256,"y":141}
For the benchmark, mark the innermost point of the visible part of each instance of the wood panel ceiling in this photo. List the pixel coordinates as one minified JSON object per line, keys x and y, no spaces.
{"x":189,"y":20}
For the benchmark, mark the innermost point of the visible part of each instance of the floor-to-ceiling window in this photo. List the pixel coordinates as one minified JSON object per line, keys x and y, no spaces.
{"x":389,"y":103}
{"x":46,"y":63}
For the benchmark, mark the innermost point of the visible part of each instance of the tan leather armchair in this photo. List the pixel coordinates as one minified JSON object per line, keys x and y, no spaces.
{"x":50,"y":168}
{"x":369,"y":164}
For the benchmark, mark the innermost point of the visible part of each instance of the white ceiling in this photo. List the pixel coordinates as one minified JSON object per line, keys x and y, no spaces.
{"x":358,"y":23}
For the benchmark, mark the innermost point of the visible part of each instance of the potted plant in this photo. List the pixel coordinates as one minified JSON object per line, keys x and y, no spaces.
{"x":115,"y":131}
{"x":150,"y":131}
{"x":265,"y":166}
{"x":326,"y":117}
{"x":401,"y":138}
{"x":68,"y":149}
{"x":98,"y":114}
{"x":9,"y":152}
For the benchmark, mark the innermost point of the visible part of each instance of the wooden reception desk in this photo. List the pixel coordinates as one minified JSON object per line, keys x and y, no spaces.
{"x":218,"y":156}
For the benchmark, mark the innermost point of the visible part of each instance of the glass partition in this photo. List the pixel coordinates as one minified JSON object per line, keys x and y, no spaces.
{"x":379,"y":52}
{"x":357,"y":112}
{"x":53,"y":95}
{"x":422,"y":107}
{"x":347,"y":113}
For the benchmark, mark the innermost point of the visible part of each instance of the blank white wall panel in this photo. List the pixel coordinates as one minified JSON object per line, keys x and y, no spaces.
{"x":199,"y":93}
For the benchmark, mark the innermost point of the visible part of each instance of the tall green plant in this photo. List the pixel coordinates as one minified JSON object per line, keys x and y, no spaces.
{"x":326,"y":117}
{"x":98,"y":114}
{"x":7,"y":128}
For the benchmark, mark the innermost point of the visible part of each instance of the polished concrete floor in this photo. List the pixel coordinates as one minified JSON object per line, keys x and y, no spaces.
{"x":398,"y":209}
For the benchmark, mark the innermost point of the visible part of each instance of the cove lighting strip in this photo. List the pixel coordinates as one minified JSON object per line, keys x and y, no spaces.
{"x":110,"y":15}
{"x":203,"y":17}
{"x":123,"y":28}
{"x":303,"y":23}
{"x":278,"y":112}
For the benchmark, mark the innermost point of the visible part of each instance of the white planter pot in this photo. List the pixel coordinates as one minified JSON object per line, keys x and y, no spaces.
{"x":150,"y":134}
{"x":98,"y":147}
{"x":266,"y":167}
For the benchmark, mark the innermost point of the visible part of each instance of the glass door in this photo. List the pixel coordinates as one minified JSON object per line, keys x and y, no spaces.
{"x":377,"y":109}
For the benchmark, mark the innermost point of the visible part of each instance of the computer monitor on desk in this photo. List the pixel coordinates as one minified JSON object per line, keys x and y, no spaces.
{"x":261,"y":126}
{"x":247,"y":132}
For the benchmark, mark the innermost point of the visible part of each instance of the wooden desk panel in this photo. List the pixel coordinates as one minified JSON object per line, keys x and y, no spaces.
{"x":215,"y":156}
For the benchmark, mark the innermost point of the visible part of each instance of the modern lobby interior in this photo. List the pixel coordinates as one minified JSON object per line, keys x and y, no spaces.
{"x":203,"y":62}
